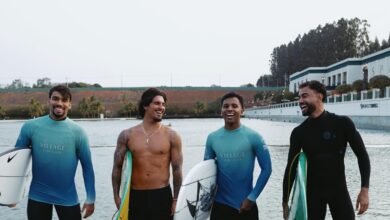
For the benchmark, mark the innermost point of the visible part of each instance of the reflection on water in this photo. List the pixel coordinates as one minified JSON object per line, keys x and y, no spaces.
{"x":193,"y":133}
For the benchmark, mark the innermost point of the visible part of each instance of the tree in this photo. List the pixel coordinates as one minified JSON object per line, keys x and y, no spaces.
{"x":43,"y":83}
{"x":266,"y":81}
{"x":83,"y":85}
{"x":16,"y":84}
{"x":35,"y":108}
{"x":320,"y":47}
{"x":374,"y":46}
{"x":287,"y":95}
{"x":128,"y":108}
{"x":83,"y":107}
{"x":2,"y":113}
{"x":97,"y":108}
{"x":214,"y":107}
{"x":90,"y":107}
{"x":248,"y":85}
{"x":200,"y":107}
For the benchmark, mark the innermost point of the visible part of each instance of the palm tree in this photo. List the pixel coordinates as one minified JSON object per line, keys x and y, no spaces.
{"x":35,"y":108}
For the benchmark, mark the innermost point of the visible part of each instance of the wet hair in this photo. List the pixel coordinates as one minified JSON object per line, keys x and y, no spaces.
{"x":63,"y":90}
{"x":147,"y":98}
{"x":233,"y":95}
{"x":316,"y":86}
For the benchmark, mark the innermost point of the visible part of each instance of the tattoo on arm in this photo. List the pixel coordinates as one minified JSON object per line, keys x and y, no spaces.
{"x":176,"y":163}
{"x":119,"y":156}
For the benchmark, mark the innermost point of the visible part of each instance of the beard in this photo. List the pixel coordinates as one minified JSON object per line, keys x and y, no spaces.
{"x":156,"y":119}
{"x":309,"y":109}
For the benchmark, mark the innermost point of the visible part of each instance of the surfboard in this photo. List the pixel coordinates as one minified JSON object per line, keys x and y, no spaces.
{"x":15,"y":175}
{"x":298,"y":202}
{"x":197,"y":192}
{"x":124,"y":190}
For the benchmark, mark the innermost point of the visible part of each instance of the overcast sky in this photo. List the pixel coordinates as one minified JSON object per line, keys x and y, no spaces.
{"x":161,"y":42}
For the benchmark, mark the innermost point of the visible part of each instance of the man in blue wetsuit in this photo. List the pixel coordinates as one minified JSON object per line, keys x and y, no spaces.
{"x":57,"y":144}
{"x":235,"y":147}
{"x":323,"y":137}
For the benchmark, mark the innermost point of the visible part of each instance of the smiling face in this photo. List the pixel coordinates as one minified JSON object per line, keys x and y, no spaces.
{"x":231,"y":112}
{"x":155,"y":110}
{"x":59,"y":106}
{"x":310,"y":102}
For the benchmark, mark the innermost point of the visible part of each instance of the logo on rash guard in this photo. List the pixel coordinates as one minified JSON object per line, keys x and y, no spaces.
{"x":52,"y":148}
{"x":232,"y":155}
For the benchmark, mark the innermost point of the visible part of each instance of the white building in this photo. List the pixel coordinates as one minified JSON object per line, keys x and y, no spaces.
{"x":344,"y":72}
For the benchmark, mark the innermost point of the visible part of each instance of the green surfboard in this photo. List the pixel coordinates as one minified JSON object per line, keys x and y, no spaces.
{"x":123,"y":213}
{"x":298,"y":202}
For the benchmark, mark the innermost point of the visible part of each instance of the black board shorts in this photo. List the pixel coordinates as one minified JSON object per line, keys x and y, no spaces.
{"x":151,"y":204}
{"x":224,"y":212}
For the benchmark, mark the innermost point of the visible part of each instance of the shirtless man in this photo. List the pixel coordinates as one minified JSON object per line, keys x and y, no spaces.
{"x":154,"y":147}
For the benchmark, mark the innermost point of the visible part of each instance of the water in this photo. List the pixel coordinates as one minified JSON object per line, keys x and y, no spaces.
{"x":103,"y":135}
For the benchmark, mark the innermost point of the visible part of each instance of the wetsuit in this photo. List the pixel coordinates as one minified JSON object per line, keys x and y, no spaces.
{"x":324,"y":140}
{"x":57,"y":147}
{"x":151,"y":204}
{"x":235,"y":151}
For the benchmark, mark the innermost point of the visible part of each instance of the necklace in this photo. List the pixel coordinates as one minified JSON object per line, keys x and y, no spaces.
{"x":148,"y":136}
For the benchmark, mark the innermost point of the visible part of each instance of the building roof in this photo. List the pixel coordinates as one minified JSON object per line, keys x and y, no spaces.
{"x":346,"y":62}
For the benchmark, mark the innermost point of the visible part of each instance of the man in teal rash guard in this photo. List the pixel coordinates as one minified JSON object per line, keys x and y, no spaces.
{"x":235,"y":148}
{"x":57,"y":145}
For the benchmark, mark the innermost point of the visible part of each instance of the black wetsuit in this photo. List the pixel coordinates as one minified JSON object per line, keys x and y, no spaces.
{"x":324,"y":140}
{"x":153,"y":204}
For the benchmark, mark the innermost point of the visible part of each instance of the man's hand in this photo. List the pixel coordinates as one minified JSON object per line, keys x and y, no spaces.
{"x":362,"y":201}
{"x":246,"y":205}
{"x":88,"y":209}
{"x":285,"y":211}
{"x":118,"y":202}
{"x":173,"y":207}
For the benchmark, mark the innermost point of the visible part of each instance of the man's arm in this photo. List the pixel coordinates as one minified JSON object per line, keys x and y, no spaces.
{"x":176,"y":163}
{"x":264,"y":160}
{"x":84,"y":155}
{"x":24,"y":138}
{"x":119,"y":156}
{"x":209,"y":152}
{"x":357,"y":145}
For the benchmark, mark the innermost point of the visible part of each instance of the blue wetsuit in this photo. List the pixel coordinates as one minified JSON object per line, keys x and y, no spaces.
{"x":235,"y":152}
{"x":57,"y":146}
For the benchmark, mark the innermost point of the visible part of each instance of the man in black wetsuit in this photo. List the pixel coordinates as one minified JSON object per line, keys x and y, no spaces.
{"x":323,"y":137}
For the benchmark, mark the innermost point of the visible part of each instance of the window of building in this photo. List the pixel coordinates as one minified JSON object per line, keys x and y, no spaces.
{"x":329,"y":82}
{"x":338,"y":79}
{"x":344,"y":77}
{"x":334,"y":80}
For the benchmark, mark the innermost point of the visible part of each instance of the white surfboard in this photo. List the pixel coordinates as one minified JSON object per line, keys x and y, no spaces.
{"x":197,"y":192}
{"x":15,"y":175}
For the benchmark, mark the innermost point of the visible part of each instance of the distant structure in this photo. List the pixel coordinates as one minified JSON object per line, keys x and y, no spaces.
{"x":345,"y":72}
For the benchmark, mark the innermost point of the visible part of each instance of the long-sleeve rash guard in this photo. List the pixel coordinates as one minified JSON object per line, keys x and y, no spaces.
{"x":57,"y":146}
{"x":235,"y":152}
{"x":324,"y":141}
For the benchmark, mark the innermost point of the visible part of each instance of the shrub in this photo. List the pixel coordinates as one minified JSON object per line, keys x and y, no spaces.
{"x":344,"y":88}
{"x":379,"y":82}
